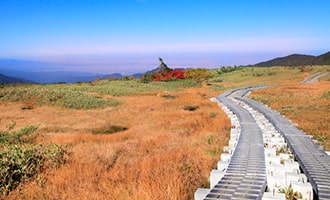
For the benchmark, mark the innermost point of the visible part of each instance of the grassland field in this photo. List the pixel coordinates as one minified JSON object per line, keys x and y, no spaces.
{"x":124,"y":139}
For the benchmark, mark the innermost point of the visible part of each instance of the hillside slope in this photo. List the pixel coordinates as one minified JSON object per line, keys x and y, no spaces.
{"x":297,"y":60}
{"x":323,"y":59}
{"x":8,"y":80}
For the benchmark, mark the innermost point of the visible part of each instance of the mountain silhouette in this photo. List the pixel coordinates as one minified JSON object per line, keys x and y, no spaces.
{"x":297,"y":60}
{"x":10,"y":80}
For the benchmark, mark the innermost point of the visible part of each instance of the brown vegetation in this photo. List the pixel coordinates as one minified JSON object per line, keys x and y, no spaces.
{"x":166,"y":152}
{"x":307,"y":105}
{"x":150,"y":143}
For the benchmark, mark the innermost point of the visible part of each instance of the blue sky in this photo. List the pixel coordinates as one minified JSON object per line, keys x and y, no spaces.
{"x":213,"y":30}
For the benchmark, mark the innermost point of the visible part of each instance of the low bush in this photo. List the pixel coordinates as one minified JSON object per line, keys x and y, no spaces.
{"x":199,"y":74}
{"x":20,"y":161}
{"x":172,"y":75}
{"x":217,"y":80}
{"x":228,"y":69}
{"x":217,"y":87}
{"x":213,"y":114}
{"x":258,"y":74}
{"x":67,"y":96}
{"x":23,"y":135}
{"x":305,"y":68}
{"x":326,"y":95}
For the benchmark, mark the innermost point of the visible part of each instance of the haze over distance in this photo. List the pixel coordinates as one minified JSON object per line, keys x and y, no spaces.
{"x":129,"y":35}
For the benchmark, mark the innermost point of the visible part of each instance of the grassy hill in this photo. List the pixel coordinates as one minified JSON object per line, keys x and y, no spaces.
{"x":297,"y":60}
{"x":323,"y":59}
{"x":125,"y":139}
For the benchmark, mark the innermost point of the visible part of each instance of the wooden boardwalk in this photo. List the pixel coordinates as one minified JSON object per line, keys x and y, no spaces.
{"x":314,"y":162}
{"x":245,"y":176}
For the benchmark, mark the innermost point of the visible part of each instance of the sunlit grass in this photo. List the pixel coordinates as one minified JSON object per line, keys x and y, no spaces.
{"x":262,"y":75}
{"x":133,"y":87}
{"x":307,"y":105}
{"x":53,"y":95}
{"x":78,"y":96}
{"x":164,"y":150}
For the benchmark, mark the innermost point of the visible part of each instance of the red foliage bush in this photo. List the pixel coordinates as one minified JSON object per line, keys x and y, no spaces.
{"x":170,"y":76}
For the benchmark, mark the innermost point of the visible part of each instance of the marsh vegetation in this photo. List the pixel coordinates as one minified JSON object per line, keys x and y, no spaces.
{"x":128,"y":139}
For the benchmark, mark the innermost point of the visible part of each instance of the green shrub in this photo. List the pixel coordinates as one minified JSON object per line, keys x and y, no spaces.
{"x":85,"y":95}
{"x":199,"y":74}
{"x":213,"y":114}
{"x":271,"y":73}
{"x":146,"y":78}
{"x":54,"y":95}
{"x":290,"y":194}
{"x":258,"y":74}
{"x":217,"y":87}
{"x":326,"y":95}
{"x":77,"y":100}
{"x":228,"y":69}
{"x":20,"y":161}
{"x":217,"y":80}
{"x":17,"y":137}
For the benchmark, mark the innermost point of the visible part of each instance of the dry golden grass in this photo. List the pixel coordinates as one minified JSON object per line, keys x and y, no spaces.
{"x":306,"y":105}
{"x":166,"y":153}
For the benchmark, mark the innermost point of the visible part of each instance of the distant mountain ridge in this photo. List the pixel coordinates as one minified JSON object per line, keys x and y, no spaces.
{"x":25,"y":71}
{"x":297,"y":60}
{"x":10,"y":80}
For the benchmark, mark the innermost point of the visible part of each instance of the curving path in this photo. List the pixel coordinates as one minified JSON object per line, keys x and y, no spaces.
{"x":245,"y":176}
{"x":315,"y":163}
{"x":314,"y":77}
